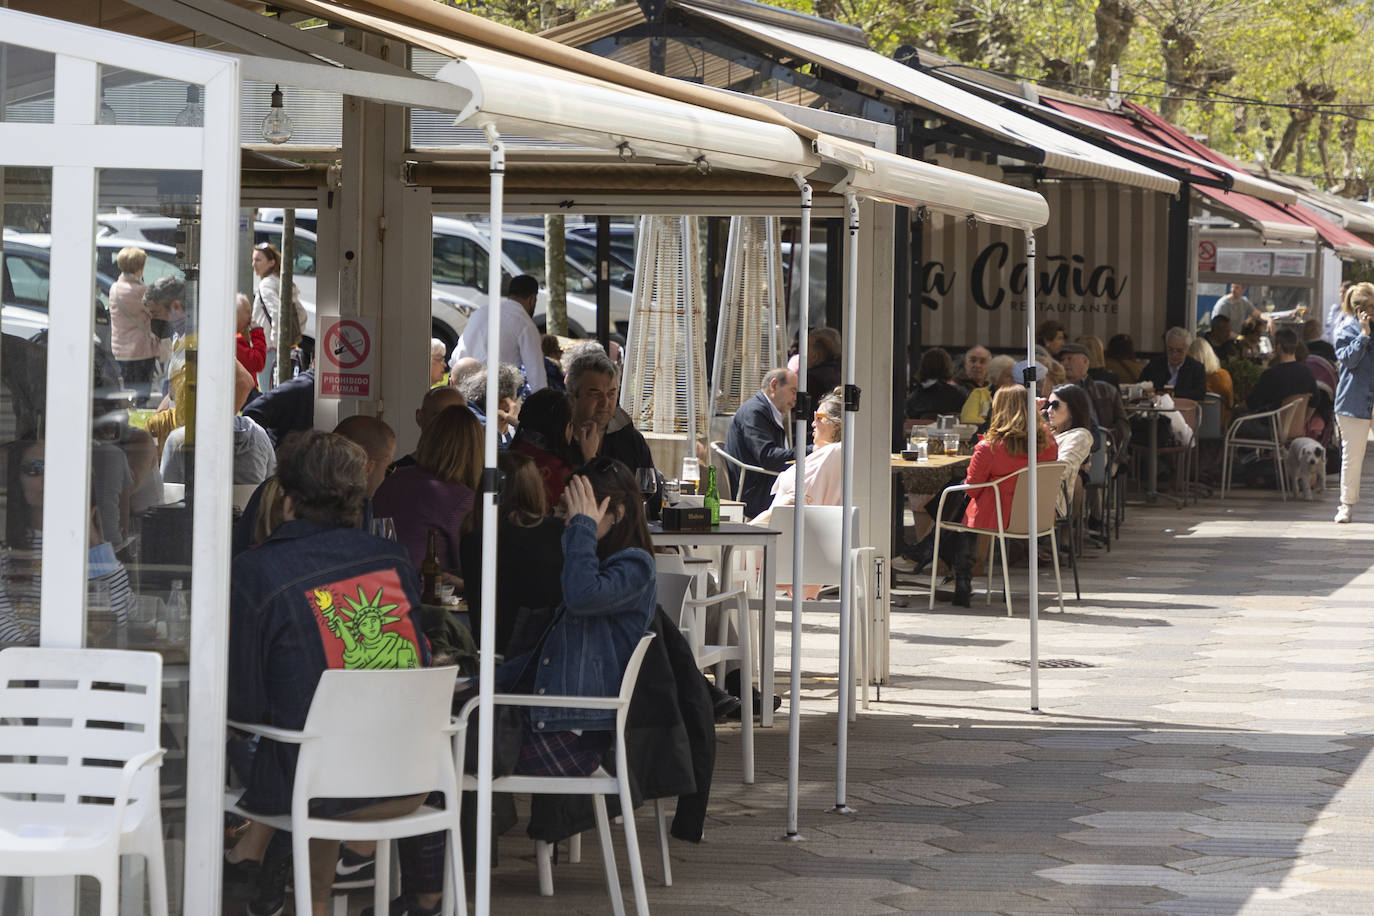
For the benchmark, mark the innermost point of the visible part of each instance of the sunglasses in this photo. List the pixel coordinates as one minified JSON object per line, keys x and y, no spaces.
{"x":1052,"y":405}
{"x":32,"y":468}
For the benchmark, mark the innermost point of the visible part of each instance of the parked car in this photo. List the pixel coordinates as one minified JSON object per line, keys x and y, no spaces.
{"x":24,"y":300}
{"x":527,"y":249}
{"x":461,"y":269}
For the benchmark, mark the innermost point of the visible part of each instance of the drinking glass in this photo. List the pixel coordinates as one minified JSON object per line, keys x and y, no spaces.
{"x":384,"y":527}
{"x":671,"y":492}
{"x":647,"y":478}
{"x":691,"y":474}
{"x":951,"y":444}
{"x":922,"y":449}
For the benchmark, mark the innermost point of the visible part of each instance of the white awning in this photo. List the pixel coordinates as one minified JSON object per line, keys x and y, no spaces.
{"x":1051,"y":147}
{"x":896,"y":179}
{"x":519,"y":96}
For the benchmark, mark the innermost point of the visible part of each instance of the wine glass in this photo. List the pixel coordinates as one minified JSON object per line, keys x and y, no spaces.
{"x":648,"y":484}
{"x":384,"y":527}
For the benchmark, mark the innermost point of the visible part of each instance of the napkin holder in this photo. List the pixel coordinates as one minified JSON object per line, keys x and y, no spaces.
{"x":686,"y":518}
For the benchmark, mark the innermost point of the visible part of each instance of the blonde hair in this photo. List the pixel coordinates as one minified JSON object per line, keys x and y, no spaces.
{"x":832,"y":408}
{"x":131,"y":260}
{"x":1008,"y":422}
{"x":450,"y":447}
{"x":1356,"y":296}
{"x":1202,"y":351}
{"x":271,"y":510}
{"x":1054,"y":372}
{"x":1097,"y":356}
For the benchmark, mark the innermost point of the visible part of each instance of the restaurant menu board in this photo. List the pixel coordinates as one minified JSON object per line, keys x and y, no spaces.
{"x":1250,"y":263}
{"x":1290,"y":264}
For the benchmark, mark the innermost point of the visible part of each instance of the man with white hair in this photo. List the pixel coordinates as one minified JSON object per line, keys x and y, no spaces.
{"x":1176,"y":369}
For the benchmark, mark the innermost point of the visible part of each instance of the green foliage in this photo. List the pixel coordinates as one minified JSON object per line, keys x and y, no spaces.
{"x":1208,"y":64}
{"x":1244,"y":376}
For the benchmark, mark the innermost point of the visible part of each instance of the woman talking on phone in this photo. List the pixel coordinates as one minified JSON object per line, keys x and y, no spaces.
{"x":1354,"y":390}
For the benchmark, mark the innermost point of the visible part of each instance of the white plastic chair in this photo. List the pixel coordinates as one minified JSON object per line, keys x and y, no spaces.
{"x":598,"y":785}
{"x":678,"y":595}
{"x":1048,"y":477}
{"x":372,"y":734}
{"x":60,"y":705}
{"x":821,"y":555}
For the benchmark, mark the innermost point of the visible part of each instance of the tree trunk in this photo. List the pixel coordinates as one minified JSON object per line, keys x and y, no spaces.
{"x":288,"y":329}
{"x":556,"y":270}
{"x":1114,"y":20}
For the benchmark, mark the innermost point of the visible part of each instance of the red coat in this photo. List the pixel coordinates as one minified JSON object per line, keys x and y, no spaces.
{"x":253,"y":354}
{"x":991,"y":461}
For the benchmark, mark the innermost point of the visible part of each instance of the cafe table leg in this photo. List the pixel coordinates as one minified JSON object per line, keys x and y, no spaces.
{"x":1152,"y":460}
{"x":766,"y":636}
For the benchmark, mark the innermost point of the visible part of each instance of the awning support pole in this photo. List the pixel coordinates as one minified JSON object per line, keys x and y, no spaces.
{"x":1032,"y":437}
{"x":799,"y":416}
{"x":486,"y":675}
{"x":847,"y":431}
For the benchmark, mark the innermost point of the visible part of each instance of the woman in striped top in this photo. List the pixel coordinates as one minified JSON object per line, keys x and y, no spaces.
{"x":21,"y":582}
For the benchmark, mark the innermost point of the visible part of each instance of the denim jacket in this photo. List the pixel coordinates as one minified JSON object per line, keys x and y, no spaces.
{"x":283,"y":596}
{"x":607,"y":606}
{"x":1355,"y":388}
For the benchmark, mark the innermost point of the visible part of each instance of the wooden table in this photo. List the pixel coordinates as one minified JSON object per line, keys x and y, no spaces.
{"x":734,"y":534}
{"x":931,"y":475}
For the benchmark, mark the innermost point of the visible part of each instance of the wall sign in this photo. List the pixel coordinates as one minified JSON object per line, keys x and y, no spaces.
{"x":347,"y":358}
{"x":1100,"y":270}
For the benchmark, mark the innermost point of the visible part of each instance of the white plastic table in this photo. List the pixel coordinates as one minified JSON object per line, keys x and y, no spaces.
{"x":727,"y":535}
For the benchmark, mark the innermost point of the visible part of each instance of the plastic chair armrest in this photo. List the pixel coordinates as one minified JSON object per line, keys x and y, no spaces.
{"x":284,"y":735}
{"x":130,"y":769}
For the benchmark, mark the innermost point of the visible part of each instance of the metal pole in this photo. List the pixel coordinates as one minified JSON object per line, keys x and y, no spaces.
{"x":1032,"y":430}
{"x":486,"y":675}
{"x":851,"y":407}
{"x":803,"y":252}
{"x":688,"y":307}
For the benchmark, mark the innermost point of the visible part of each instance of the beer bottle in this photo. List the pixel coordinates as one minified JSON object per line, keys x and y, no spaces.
{"x":430,"y":570}
{"x":712,"y":498}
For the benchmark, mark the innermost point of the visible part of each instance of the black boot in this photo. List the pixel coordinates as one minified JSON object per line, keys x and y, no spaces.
{"x":921,"y":553}
{"x":963,"y":573}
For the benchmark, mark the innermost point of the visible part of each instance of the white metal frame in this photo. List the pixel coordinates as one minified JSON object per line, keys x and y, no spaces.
{"x":76,"y":148}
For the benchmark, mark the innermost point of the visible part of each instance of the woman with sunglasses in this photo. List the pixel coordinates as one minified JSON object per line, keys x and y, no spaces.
{"x":609,"y":595}
{"x":1070,"y":418}
{"x":823,"y":473}
{"x":267,"y":305}
{"x":22,"y":585}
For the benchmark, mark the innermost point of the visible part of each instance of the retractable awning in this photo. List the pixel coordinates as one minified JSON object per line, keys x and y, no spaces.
{"x":1271,"y":221}
{"x":518,"y":95}
{"x":1042,"y":144}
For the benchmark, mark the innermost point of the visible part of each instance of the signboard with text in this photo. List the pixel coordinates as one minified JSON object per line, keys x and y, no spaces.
{"x":347,"y":358}
{"x":1101,"y":269}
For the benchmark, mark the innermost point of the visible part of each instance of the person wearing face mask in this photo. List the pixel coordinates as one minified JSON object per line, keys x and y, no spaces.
{"x":1354,"y":389}
{"x":165,"y":302}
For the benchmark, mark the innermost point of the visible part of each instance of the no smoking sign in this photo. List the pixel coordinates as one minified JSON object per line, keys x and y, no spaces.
{"x":346,"y":370}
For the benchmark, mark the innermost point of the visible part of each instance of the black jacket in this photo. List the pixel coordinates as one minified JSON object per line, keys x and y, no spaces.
{"x":670,"y":744}
{"x":288,"y":407}
{"x":1192,"y":378}
{"x":756,"y":438}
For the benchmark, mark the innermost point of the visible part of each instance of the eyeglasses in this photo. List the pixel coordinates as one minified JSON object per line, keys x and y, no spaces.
{"x":1053,"y":405}
{"x":33,"y":468}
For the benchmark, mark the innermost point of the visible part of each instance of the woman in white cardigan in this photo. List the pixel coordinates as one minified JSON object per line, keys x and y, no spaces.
{"x":1069,"y":415}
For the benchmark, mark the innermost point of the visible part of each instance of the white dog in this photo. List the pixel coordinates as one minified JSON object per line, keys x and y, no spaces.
{"x":1306,"y":464}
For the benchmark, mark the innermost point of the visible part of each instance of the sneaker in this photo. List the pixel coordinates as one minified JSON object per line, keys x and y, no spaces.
{"x":1343,"y":514}
{"x":353,"y":868}
{"x":270,"y":899}
{"x":902,"y":564}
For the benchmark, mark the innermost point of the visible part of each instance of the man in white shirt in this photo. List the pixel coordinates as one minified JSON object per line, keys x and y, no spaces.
{"x":519,"y":336}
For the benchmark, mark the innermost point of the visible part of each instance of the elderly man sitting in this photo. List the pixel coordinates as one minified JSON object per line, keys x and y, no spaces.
{"x":509,"y":382}
{"x":758,"y":436}
{"x":1176,"y":369}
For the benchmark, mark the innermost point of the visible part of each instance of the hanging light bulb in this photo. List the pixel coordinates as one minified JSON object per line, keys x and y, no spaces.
{"x":193,"y":115}
{"x":107,"y":114}
{"x":276,"y":127}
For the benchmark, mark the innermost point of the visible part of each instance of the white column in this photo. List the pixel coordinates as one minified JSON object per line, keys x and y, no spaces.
{"x":1032,"y":418}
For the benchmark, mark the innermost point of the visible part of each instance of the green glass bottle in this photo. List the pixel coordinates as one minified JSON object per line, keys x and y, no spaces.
{"x":712,"y":498}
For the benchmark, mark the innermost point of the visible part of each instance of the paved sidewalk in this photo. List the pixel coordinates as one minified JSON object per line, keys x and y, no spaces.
{"x":1203,"y":753}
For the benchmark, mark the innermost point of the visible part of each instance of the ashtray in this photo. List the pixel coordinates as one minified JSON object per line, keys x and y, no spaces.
{"x":912,"y":455}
